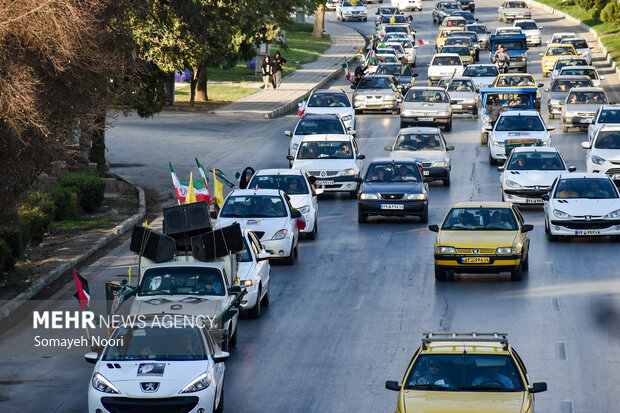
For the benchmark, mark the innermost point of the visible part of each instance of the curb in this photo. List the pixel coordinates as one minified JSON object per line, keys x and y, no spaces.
{"x":584,"y":26}
{"x":7,"y":309}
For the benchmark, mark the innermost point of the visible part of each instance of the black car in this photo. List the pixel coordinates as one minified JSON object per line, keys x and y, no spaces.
{"x":444,"y":9}
{"x":393,"y":187}
{"x":467,"y":5}
{"x":466,"y":15}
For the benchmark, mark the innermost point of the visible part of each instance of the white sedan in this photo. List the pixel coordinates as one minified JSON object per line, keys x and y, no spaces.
{"x":605,"y":115}
{"x":582,"y":204}
{"x":155,"y":368}
{"x":516,"y":128}
{"x":351,"y":10}
{"x":332,"y":101}
{"x":269,"y":214}
{"x":603,"y":152}
{"x":529,"y":173}
{"x":254,"y":273}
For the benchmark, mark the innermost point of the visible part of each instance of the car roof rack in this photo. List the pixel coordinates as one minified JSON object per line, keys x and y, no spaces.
{"x":494,"y":337}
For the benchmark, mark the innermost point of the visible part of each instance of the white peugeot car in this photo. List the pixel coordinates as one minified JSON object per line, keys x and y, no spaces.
{"x":269,"y":214}
{"x":351,"y":10}
{"x":482,"y":75}
{"x":516,"y":128}
{"x":332,"y":101}
{"x":531,"y":30}
{"x":603,"y":152}
{"x":581,"y":46}
{"x":158,"y":367}
{"x":582,"y":204}
{"x":404,"y":5}
{"x":254,"y":272}
{"x":334,"y":161}
{"x":605,"y":115}
{"x":444,"y":64}
{"x":316,"y":124}
{"x":529,"y":173}
{"x":299,"y":187}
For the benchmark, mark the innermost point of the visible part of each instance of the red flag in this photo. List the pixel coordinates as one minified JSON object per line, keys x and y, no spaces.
{"x":82,"y":293}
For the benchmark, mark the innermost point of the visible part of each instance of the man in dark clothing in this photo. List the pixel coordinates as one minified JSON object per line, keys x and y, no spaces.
{"x":266,"y":68}
{"x":358,"y":75}
{"x":277,"y":62}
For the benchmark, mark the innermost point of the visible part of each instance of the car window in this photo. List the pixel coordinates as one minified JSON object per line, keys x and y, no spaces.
{"x":388,"y":70}
{"x":394,"y":172}
{"x":592,"y":188}
{"x":446,"y":61}
{"x":480,"y":71}
{"x":244,"y":255}
{"x":513,"y":100}
{"x":253,"y":206}
{"x":560,"y":63}
{"x":477,"y":29}
{"x":559,"y":50}
{"x":608,"y":140}
{"x":575,"y":71}
{"x":431,"y":96}
{"x":527,"y":25}
{"x":394,"y":29}
{"x":374,"y":83}
{"x":564,"y":85}
{"x":319,"y":127}
{"x":519,"y":123}
{"x":509,"y":45}
{"x":458,"y":42}
{"x":487,"y":219}
{"x":325,"y":150}
{"x":321,"y":100}
{"x":536,"y":161}
{"x":579,"y":97}
{"x":418,"y":142}
{"x":577,"y":43}
{"x":182,"y":280}
{"x":609,"y":116}
{"x":460,"y":50}
{"x":461,"y":86}
{"x":291,"y":184}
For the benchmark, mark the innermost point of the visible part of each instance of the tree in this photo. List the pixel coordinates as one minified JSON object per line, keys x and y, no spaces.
{"x":319,"y":21}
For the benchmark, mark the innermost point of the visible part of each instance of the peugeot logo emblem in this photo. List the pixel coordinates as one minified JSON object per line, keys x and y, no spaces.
{"x":176,"y":307}
{"x":588,"y":217}
{"x":149,"y":387}
{"x":537,"y":187}
{"x":475,"y":251}
{"x":323,"y":174}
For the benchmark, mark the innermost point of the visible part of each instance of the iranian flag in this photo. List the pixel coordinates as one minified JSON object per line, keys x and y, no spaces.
{"x":82,"y":294}
{"x":301,"y":107}
{"x":347,"y":72}
{"x":205,"y":180}
{"x":181,"y":188}
{"x":423,"y":42}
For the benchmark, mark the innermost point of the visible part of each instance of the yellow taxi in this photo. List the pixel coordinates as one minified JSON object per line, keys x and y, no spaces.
{"x":443,"y":35}
{"x":553,"y":52}
{"x":518,"y":80}
{"x":482,"y":237}
{"x":466,"y":372}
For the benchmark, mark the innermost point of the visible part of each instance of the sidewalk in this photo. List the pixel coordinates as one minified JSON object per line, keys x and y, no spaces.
{"x":270,"y":103}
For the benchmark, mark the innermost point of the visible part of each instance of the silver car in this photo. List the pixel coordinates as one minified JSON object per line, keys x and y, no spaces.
{"x":376,"y":92}
{"x":566,"y":61}
{"x":511,"y":10}
{"x":483,"y":75}
{"x":531,"y":30}
{"x":463,"y":95}
{"x":559,"y":90}
{"x":581,"y":46}
{"x":428,"y":106}
{"x":581,"y":105}
{"x":589,"y":71}
{"x":481,"y":31}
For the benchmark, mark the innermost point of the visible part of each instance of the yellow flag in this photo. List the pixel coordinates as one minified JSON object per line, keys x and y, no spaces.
{"x":353,"y":3}
{"x":218,"y":190}
{"x":393,"y":18}
{"x":191,"y":195}
{"x":145,"y":223}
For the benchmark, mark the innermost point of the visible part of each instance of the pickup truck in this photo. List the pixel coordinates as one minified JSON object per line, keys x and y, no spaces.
{"x":515,"y":45}
{"x":511,"y":10}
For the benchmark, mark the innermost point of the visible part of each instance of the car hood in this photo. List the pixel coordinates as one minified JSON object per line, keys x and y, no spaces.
{"x":420,"y":155}
{"x":364,"y":92}
{"x":176,"y":375}
{"x":178,"y":304}
{"x":581,"y":207}
{"x":297,"y":201}
{"x":323,"y":164}
{"x":341,"y":111}
{"x":502,"y":136}
{"x":426,"y":106}
{"x":582,"y":107}
{"x":446,"y":70}
{"x":352,"y":8}
{"x":476,"y":239}
{"x":393,"y":187}
{"x":462,"y":95}
{"x":267,"y":225}
{"x":466,"y":402}
{"x":535,"y":178}
{"x":558,"y":95}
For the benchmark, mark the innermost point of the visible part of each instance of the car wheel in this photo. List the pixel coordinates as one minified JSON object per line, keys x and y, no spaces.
{"x":524,"y":69}
{"x":312,"y":234}
{"x":448,"y":126}
{"x":290,"y":260}
{"x":545,"y":74}
{"x":517,"y":275}
{"x":484,"y":138}
{"x":424,"y":216}
{"x":255,"y":312}
{"x":503,"y":200}
{"x":548,"y":234}
{"x":296,"y":251}
{"x":361,"y":217}
{"x":440,"y":275}
{"x":551,"y":115}
{"x":394,"y":111}
{"x":564,"y":128}
{"x":475,"y":114}
{"x":492,"y":161}
{"x":526,"y":264}
{"x":338,"y":17}
{"x":365,"y":19}
{"x":446,"y":182}
{"x":232,"y":341}
{"x":225,"y":343}
{"x":220,"y":407}
{"x":265,"y":300}
{"x":358,"y":111}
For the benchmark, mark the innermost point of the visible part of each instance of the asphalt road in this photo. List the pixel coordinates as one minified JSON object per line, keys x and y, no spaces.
{"x":351,"y":312}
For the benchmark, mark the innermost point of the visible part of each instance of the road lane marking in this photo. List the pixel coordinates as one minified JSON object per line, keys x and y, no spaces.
{"x":560,"y":351}
{"x":555,"y":304}
{"x":567,"y":406}
{"x":549,"y":268}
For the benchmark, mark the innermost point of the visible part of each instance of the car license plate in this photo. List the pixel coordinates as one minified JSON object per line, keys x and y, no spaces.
{"x":392,"y":206}
{"x":588,"y":232}
{"x":457,"y":106}
{"x":323,"y":183}
{"x":427,"y":173}
{"x":533,"y":201}
{"x":475,"y":260}
{"x":425,"y":119}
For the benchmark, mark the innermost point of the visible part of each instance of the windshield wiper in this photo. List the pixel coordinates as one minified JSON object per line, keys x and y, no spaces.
{"x":481,"y":387}
{"x":432,"y":386}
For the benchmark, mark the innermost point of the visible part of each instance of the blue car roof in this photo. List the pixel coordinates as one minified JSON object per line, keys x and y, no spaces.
{"x":507,"y":37}
{"x":528,"y":89}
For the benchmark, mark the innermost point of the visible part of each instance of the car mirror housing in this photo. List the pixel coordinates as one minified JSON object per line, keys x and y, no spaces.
{"x":290,"y":157}
{"x":500,"y":168}
{"x":537,"y":387}
{"x":572,"y":168}
{"x":434,"y":228}
{"x":319,"y":190}
{"x":221,"y":357}
{"x":295,"y":213}
{"x":361,"y":156}
{"x":586,"y":145}
{"x":545,"y":197}
{"x":388,"y":148}
{"x":602,"y":77}
{"x":550,"y":127}
{"x":527,"y":227}
{"x":91,"y":357}
{"x":234,"y":289}
{"x":213,"y":214}
{"x":263,"y":255}
{"x":288,"y":133}
{"x":392,"y":385}
{"x":450,"y":148}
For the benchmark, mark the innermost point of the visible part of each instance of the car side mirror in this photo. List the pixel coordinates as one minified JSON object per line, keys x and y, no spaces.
{"x":537,"y":387}
{"x":586,"y":145}
{"x":434,"y":228}
{"x":450,"y":148}
{"x":352,"y":131}
{"x":288,"y":133}
{"x":213,"y":214}
{"x":361,"y":156}
{"x":358,"y":180}
{"x":545,"y":197}
{"x":263,"y":255}
{"x":602,"y":77}
{"x":91,"y":357}
{"x":541,"y":85}
{"x":290,"y":157}
{"x":295,"y":213}
{"x":547,"y":89}
{"x":476,"y":19}
{"x":500,"y":168}
{"x":550,"y":127}
{"x":541,"y":54}
{"x":319,"y":190}
{"x":392,"y":385}
{"x":235,"y":289}
{"x":415,"y":46}
{"x":572,"y":168}
{"x":561,"y":103}
{"x":388,"y":148}
{"x":221,"y":357}
{"x":489,"y":128}
{"x":527,"y":227}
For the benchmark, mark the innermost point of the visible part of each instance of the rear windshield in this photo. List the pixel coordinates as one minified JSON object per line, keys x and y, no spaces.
{"x":536,"y":161}
{"x":608,"y":140}
{"x":480,"y":71}
{"x":446,"y":61}
{"x":319,"y":127}
{"x":431,"y":96}
{"x":519,"y":123}
{"x":593,"y":188}
{"x":322,"y":100}
{"x":577,"y":43}
{"x":564,"y":85}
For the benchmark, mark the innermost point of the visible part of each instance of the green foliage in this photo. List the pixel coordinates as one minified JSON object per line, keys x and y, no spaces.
{"x":19,"y":279}
{"x":611,"y":14}
{"x":89,"y":187}
{"x":6,"y":256}
{"x":595,"y":5}
{"x":14,"y":238}
{"x":65,"y":201}
{"x":34,"y":214}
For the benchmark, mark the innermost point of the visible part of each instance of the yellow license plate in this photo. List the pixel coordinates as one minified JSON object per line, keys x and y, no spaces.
{"x":475,"y":260}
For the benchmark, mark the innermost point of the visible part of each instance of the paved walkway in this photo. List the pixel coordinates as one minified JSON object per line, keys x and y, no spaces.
{"x":270,"y":103}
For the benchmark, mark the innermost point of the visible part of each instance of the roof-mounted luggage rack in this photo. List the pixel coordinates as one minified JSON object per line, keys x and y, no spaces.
{"x":495,"y":337}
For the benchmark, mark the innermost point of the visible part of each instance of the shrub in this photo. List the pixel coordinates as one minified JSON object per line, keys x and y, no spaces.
{"x":65,"y":201}
{"x":611,"y":14}
{"x":596,"y":5}
{"x":34,"y":214}
{"x":6,"y":256}
{"x":19,"y":279}
{"x":89,"y":188}
{"x":15,"y":239}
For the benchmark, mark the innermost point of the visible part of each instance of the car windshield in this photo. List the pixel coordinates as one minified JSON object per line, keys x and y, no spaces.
{"x":515,"y":81}
{"x":576,"y":71}
{"x":464,"y":372}
{"x":480,"y":71}
{"x":586,"y":98}
{"x":394,"y":70}
{"x":461,"y":86}
{"x":535,"y":161}
{"x":398,"y":19}
{"x":418,"y":142}
{"x":396,"y":29}
{"x":387,"y":10}
{"x":559,"y":50}
{"x":577,"y":43}
{"x":446,"y":61}
{"x":512,"y":100}
{"x":519,"y":123}
{"x":319,"y":127}
{"x":557,"y":38}
{"x":564,"y":85}
{"x":527,"y":25}
{"x":569,"y":62}
{"x":609,"y":116}
{"x":592,"y":188}
{"x":394,"y":172}
{"x":449,"y":6}
{"x":471,"y":36}
{"x":374,"y":83}
{"x":477,"y":29}
{"x":253,"y":206}
{"x":431,"y":96}
{"x":480,"y":219}
{"x":291,"y":184}
{"x":322,"y":100}
{"x":347,"y":3}
{"x":460,"y":50}
{"x":405,"y":43}
{"x":182,"y":280}
{"x":452,"y":41}
{"x":515,"y":5}
{"x":155,"y":342}
{"x":510,"y":45}
{"x":608,"y":140}
{"x":397,"y":48}
{"x":464,"y":14}
{"x":460,"y":22}
{"x":325,"y":150}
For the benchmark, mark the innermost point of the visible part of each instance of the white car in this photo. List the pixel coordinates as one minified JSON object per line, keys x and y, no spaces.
{"x":299,"y":187}
{"x":529,"y":173}
{"x":332,"y":4}
{"x":158,"y":369}
{"x":334,"y":161}
{"x":516,"y":128}
{"x":605,"y":115}
{"x":532,"y":31}
{"x":507,"y":30}
{"x":347,"y":11}
{"x":408,"y":47}
{"x":398,"y":48}
{"x":566,"y":61}
{"x":332,"y":101}
{"x":269,"y":214}
{"x":582,"y":204}
{"x":603,"y":152}
{"x":400,"y":28}
{"x":558,"y":37}
{"x":316,"y":124}
{"x":581,"y":46}
{"x":581,"y":105}
{"x":444,"y":64}
{"x":254,"y":273}
{"x":482,"y":75}
{"x":408,"y":4}
{"x":589,"y":71}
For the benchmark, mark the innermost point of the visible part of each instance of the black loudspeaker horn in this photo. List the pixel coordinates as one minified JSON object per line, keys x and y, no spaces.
{"x":218,"y":243}
{"x":152,"y":244}
{"x":182,"y":222}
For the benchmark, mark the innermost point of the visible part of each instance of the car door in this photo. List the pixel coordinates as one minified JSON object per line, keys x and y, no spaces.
{"x":594,"y":124}
{"x":314,"y":203}
{"x":262,"y":266}
{"x":524,"y":237}
{"x":292,"y":222}
{"x":446,"y":153}
{"x":217,"y":368}
{"x":359,"y":163}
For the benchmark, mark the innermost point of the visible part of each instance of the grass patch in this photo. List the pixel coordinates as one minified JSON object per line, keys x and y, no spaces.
{"x":81,"y":224}
{"x":219,"y":93}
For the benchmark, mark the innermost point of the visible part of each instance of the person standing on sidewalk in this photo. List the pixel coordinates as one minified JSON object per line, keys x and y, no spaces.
{"x":277,"y":63}
{"x":266,"y":68}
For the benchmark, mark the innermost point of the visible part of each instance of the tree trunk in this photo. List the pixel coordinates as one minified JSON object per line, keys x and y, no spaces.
{"x":97,"y":144}
{"x":192,"y":86}
{"x":319,"y":22}
{"x":201,"y":89}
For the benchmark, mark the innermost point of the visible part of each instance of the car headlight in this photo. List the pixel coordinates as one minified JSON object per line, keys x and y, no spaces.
{"x":348,"y":172}
{"x":598,"y":160}
{"x":506,"y":250}
{"x":524,"y":56}
{"x":446,"y":250}
{"x":304,"y":209}
{"x":440,"y":164}
{"x":614,"y":214}
{"x":417,"y":197}
{"x":199,"y":383}
{"x":443,"y":113}
{"x":347,"y":118}
{"x":498,"y":143}
{"x":469,"y":100}
{"x":561,"y":214}
{"x":246,"y":283}
{"x":103,"y":385}
{"x":280,"y":234}
{"x":512,"y":184}
{"x":369,"y":196}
